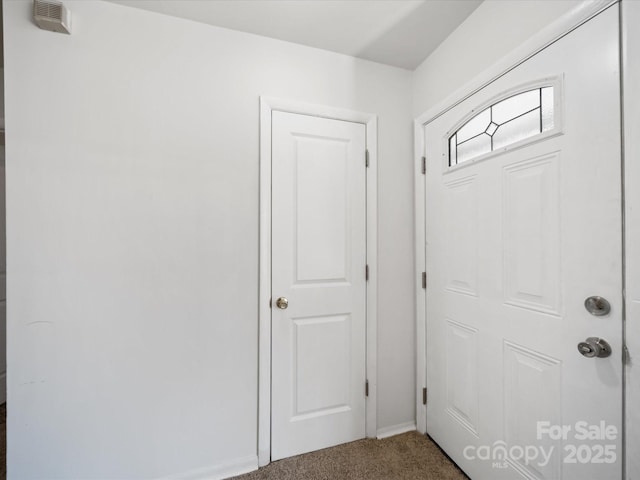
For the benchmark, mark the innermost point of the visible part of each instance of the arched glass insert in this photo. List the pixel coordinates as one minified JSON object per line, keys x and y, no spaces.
{"x":513,"y":119}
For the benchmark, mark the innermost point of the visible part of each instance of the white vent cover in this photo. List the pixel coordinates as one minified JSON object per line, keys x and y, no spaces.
{"x":52,"y":16}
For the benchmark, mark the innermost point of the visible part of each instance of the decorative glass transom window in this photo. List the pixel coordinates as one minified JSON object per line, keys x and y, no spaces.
{"x":504,"y":123}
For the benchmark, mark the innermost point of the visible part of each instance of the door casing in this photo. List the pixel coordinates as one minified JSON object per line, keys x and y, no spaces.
{"x":545,"y":37}
{"x":630,"y":12}
{"x":267,"y":106}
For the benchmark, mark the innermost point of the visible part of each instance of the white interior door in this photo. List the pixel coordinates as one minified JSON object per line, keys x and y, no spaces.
{"x":318,"y":266}
{"x":523,"y":219}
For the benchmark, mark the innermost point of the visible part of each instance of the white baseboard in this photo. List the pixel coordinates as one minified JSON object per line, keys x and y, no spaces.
{"x":395,"y":430}
{"x":264,"y":457}
{"x":219,"y":471}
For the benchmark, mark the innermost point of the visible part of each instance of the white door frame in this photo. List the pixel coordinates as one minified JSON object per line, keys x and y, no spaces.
{"x":267,"y":106}
{"x":545,"y":37}
{"x":631,"y":195}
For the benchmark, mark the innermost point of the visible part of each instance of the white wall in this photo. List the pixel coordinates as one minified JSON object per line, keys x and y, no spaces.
{"x":132,"y":233}
{"x":631,"y":42}
{"x":493,"y":30}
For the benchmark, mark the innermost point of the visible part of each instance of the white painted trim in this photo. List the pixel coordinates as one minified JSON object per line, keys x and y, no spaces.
{"x":220,"y":471}
{"x":421,"y":262}
{"x":393,"y":430}
{"x":264,"y":290}
{"x":545,"y":37}
{"x":267,"y":106}
{"x":630,"y":64}
{"x":372,"y":284}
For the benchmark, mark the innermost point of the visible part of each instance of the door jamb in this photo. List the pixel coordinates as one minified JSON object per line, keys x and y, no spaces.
{"x":582,"y":13}
{"x":267,"y":106}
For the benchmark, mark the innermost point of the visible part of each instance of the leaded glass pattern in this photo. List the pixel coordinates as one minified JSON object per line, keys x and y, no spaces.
{"x":509,"y":121}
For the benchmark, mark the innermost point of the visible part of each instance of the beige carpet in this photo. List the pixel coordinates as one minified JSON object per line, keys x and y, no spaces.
{"x":409,"y":456}
{"x":403,"y":457}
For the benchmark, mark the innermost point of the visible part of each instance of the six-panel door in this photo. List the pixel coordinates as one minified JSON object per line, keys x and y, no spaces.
{"x":523,"y":218}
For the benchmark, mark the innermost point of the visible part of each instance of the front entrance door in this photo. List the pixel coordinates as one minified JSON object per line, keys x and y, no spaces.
{"x":523,"y":219}
{"x":318,"y":283}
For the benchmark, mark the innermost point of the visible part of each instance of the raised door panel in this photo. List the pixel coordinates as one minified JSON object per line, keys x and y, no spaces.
{"x":321,"y":210}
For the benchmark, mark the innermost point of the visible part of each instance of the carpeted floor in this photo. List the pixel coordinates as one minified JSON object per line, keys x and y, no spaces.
{"x":409,"y":456}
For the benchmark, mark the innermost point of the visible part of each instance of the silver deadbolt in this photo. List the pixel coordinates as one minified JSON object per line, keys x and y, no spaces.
{"x":597,"y":306}
{"x":282,"y":303}
{"x":594,"y":347}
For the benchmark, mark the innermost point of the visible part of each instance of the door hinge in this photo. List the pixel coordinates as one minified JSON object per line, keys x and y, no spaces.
{"x":366,"y":158}
{"x":626,"y":358}
{"x":366,"y":388}
{"x":424,"y":165}
{"x":424,"y":396}
{"x":424,"y":279}
{"x":366,"y":273}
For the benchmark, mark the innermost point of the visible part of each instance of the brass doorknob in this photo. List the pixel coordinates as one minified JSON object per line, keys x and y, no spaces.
{"x":282,"y":303}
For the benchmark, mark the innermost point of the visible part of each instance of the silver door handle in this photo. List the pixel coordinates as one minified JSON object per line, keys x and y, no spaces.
{"x":597,"y":306}
{"x":594,"y":347}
